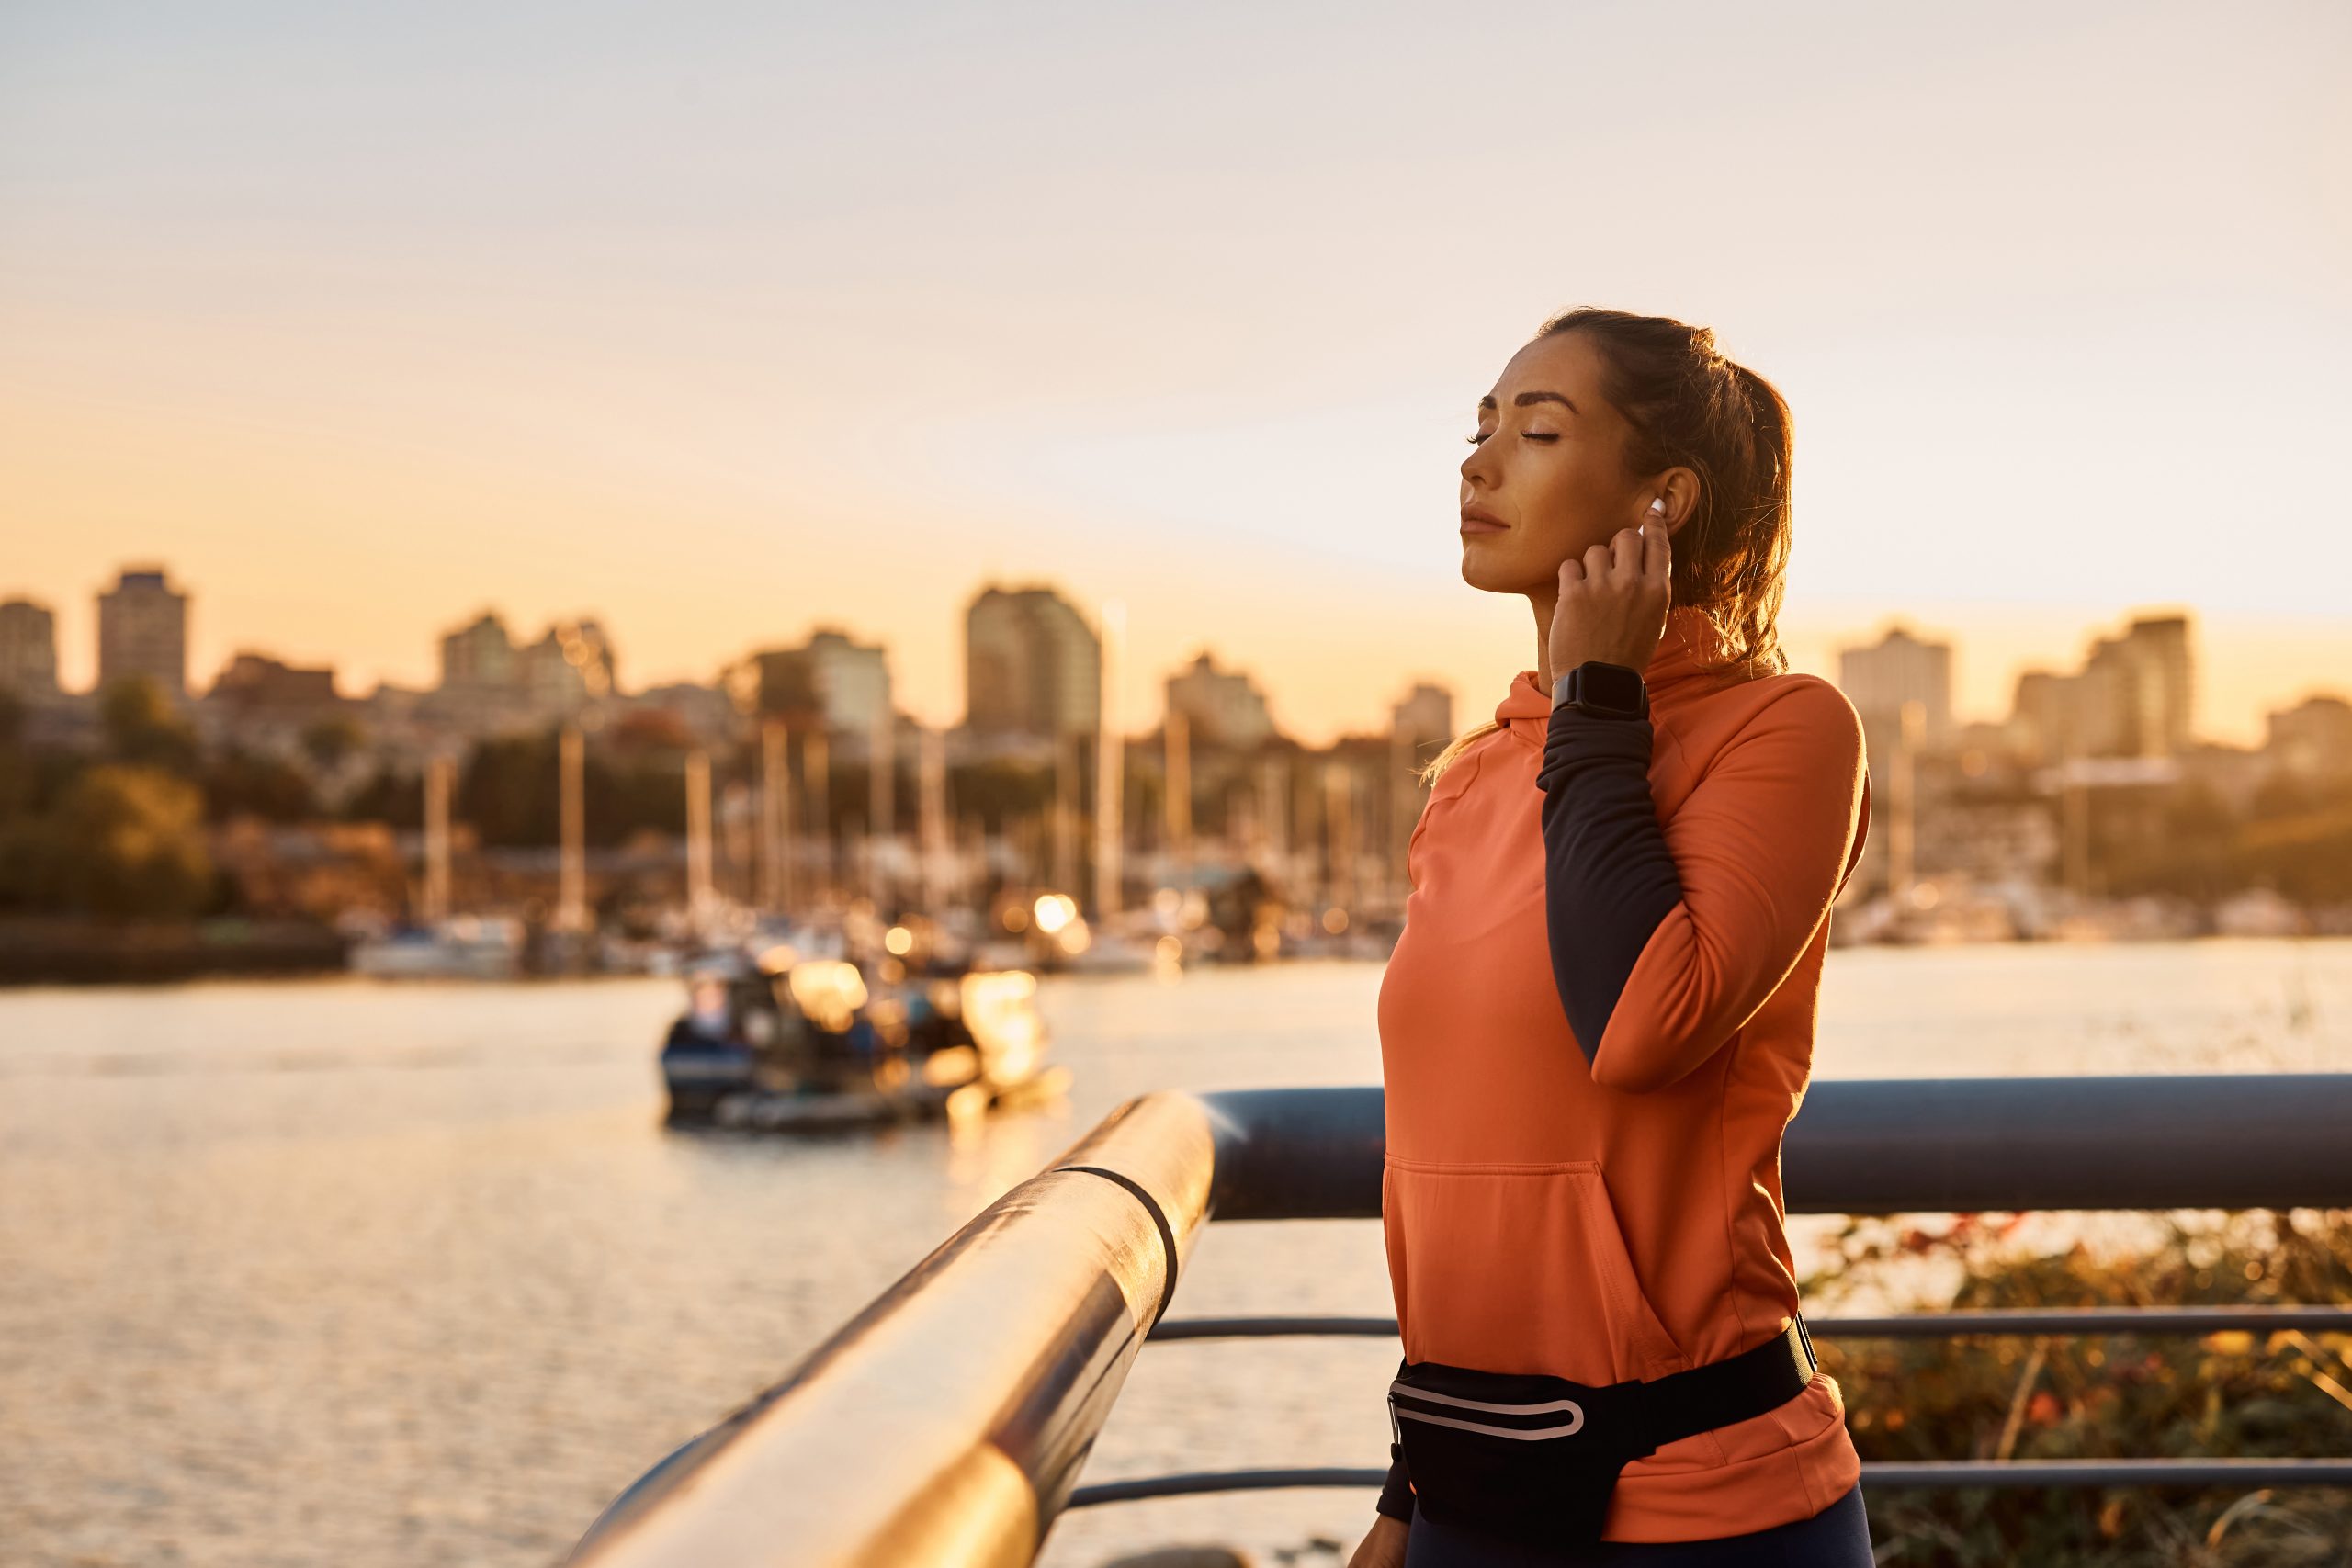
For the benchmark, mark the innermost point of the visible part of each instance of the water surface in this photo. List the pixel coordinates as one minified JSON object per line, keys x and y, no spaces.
{"x":300,"y":1273}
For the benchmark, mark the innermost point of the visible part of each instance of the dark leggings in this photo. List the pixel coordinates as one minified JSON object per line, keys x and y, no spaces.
{"x":1837,"y":1537}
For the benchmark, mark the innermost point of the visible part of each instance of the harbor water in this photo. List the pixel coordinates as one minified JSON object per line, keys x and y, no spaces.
{"x":365,"y":1273}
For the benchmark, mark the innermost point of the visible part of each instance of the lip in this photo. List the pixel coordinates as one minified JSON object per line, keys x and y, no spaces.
{"x":1478,"y":520}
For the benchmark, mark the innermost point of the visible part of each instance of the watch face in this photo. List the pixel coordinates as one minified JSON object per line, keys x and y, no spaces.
{"x":1610,"y":688}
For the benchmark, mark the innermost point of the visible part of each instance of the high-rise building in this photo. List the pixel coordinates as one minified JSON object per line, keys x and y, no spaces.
{"x":853,"y":681}
{"x":831,"y":680}
{"x":2042,"y":724}
{"x":1032,"y":665}
{"x":491,"y":682}
{"x":1223,"y":708}
{"x":2311,"y":739}
{"x":2166,"y":705}
{"x":28,"y":649}
{"x":479,"y":654}
{"x":1424,"y":719}
{"x":1900,"y":668}
{"x":570,"y":666}
{"x":2135,"y":697}
{"x":2136,"y":692}
{"x":142,"y":632}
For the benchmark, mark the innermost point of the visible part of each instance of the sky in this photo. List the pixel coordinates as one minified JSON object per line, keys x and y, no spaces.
{"x":723,"y":322}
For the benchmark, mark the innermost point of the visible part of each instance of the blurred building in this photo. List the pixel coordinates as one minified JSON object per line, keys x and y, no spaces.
{"x":2042,"y":716}
{"x":832,"y":681}
{"x":480,"y":654}
{"x":261,"y":705}
{"x":491,"y":682}
{"x":254,"y":682}
{"x":2137,"y":691}
{"x":570,"y":667}
{"x":2311,"y":740}
{"x":853,"y":681}
{"x":28,"y":649}
{"x":1221,"y":707}
{"x":703,"y":714}
{"x":1900,"y":668}
{"x":2134,"y":697}
{"x":1424,"y":720}
{"x":142,"y":632}
{"x":1032,"y":665}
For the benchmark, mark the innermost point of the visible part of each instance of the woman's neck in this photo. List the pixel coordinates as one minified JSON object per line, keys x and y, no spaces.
{"x":1545,"y":602}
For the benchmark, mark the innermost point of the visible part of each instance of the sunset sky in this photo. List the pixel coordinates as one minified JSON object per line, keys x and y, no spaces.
{"x":724,"y":321}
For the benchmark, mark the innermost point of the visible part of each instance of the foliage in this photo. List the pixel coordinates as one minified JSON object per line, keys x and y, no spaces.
{"x":2295,"y":838}
{"x":2103,"y":1396}
{"x":123,"y":842}
{"x":144,"y":728}
{"x":389,"y":795}
{"x":327,"y":741}
{"x":241,"y":783}
{"x":509,"y":791}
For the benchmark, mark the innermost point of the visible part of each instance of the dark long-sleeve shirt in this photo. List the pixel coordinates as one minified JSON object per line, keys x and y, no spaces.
{"x":1609,"y":879}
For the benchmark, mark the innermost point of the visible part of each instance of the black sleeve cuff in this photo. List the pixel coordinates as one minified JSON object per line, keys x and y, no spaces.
{"x":1609,"y":880}
{"x":1396,"y":1492}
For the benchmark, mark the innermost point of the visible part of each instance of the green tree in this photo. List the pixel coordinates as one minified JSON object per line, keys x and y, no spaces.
{"x":390,"y":796}
{"x":327,"y":741}
{"x":144,"y":728}
{"x":509,"y":790}
{"x":123,"y":842}
{"x":17,"y":779}
{"x":240,"y":783}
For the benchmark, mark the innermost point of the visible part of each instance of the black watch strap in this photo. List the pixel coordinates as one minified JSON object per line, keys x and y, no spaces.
{"x":1604,"y":691}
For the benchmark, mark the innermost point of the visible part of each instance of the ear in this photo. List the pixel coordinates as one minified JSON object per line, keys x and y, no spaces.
{"x":1679,"y":489}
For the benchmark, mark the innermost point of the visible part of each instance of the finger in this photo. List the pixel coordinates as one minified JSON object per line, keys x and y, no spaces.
{"x":1658,"y":552}
{"x":1625,"y":554}
{"x":1571,"y":572}
{"x":1597,"y":561}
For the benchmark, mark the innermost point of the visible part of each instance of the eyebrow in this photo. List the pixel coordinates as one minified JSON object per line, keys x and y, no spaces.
{"x":1526,"y":399}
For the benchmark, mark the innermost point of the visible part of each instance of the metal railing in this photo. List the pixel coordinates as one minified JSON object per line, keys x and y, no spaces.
{"x":947,"y":1423}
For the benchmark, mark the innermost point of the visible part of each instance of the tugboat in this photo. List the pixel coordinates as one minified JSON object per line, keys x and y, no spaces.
{"x":780,"y":1042}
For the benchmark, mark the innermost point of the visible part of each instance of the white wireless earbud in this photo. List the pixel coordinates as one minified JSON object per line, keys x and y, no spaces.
{"x":1658,"y":504}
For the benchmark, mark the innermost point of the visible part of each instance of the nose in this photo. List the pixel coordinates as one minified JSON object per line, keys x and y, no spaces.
{"x":1477,"y":468}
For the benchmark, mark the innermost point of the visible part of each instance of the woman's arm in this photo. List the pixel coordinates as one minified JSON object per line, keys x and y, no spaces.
{"x":1665,"y":939}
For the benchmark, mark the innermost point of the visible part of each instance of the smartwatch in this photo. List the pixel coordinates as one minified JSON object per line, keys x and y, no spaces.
{"x":1604,"y":691}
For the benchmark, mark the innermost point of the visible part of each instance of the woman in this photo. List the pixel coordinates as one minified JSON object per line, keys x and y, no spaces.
{"x":1600,"y":1016}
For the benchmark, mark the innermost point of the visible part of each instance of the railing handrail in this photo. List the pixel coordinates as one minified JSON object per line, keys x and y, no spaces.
{"x":945,"y":1425}
{"x":1959,"y":1324}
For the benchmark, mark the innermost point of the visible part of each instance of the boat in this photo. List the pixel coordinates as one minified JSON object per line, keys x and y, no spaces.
{"x":777,"y":1042}
{"x":465,"y":947}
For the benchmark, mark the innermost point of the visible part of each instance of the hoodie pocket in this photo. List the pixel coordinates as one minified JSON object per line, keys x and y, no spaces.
{"x":1517,"y":1267}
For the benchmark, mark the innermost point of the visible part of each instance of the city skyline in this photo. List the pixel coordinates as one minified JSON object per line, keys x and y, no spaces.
{"x":1837,"y":655}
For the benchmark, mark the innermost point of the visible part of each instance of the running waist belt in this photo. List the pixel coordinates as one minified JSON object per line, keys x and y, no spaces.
{"x":1534,"y":1457}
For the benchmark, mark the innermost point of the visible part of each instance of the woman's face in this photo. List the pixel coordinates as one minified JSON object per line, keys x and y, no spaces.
{"x":1546,"y":478}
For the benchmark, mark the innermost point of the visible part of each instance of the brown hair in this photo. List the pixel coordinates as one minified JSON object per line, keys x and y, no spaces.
{"x":1692,"y":408}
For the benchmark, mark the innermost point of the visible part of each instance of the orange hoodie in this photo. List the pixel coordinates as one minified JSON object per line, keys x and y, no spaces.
{"x":1622,"y":1219}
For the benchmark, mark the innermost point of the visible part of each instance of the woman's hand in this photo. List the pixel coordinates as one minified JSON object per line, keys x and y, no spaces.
{"x":1384,"y":1547}
{"x":1613,"y":602}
